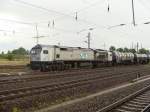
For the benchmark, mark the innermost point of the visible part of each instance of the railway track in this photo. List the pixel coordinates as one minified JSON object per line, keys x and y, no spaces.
{"x":106,"y":73}
{"x":66,"y":88}
{"x":136,"y":102}
{"x":4,"y":79}
{"x":44,"y":80}
{"x":147,"y":109}
{"x":27,"y":91}
{"x":38,"y":73}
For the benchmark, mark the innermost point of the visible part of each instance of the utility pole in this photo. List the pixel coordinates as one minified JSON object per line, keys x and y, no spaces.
{"x":133,"y":13}
{"x":58,"y":43}
{"x":89,"y":39}
{"x":37,"y":34}
{"x":137,"y":47}
{"x":141,"y":46}
{"x":88,"y":36}
{"x":132,"y":46}
{"x":104,"y":45}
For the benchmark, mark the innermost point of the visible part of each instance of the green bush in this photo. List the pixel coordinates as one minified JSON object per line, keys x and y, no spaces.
{"x":10,"y":57}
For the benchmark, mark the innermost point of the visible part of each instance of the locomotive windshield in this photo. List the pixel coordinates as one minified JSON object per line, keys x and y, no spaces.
{"x":35,"y":51}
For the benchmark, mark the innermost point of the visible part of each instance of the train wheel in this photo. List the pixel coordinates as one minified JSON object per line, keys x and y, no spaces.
{"x":50,"y":68}
{"x":43,"y":68}
{"x":59,"y":67}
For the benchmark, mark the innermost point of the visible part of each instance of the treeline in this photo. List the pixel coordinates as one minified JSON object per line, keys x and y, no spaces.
{"x":16,"y":54}
{"x":142,"y":50}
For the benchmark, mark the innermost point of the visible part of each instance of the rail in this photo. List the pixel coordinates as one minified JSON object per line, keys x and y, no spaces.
{"x":124,"y":100}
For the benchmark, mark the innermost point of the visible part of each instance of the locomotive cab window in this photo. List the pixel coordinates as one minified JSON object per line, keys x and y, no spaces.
{"x":32,"y":52}
{"x":45,"y":51}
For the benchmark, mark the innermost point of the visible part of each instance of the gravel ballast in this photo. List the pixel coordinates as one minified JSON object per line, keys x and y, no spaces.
{"x":96,"y":102}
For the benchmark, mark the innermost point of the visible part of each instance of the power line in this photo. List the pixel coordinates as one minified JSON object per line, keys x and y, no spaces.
{"x":19,"y":22}
{"x":55,"y":28}
{"x":14,"y":31}
{"x":117,"y":26}
{"x":144,"y":5}
{"x":89,"y":6}
{"x":42,"y":8}
{"x":34,"y":24}
{"x":27,"y":23}
{"x":78,"y":11}
{"x":53,"y":11}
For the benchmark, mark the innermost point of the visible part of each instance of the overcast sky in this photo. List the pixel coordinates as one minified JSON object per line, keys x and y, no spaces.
{"x":18,"y":18}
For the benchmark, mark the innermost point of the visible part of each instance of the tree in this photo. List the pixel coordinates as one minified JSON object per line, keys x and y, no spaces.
{"x":2,"y":53}
{"x":126,"y":49}
{"x":132,"y":50}
{"x":19,"y":51}
{"x":10,"y":57}
{"x":143,"y":51}
{"x":9,"y":52}
{"x":28,"y":52}
{"x":120,"y":49}
{"x":112,"y":48}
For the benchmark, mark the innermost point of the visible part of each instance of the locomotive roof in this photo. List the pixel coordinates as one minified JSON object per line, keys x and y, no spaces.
{"x":56,"y":46}
{"x":100,"y":50}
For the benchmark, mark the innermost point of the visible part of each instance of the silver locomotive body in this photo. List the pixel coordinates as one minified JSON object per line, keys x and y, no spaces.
{"x":60,"y":57}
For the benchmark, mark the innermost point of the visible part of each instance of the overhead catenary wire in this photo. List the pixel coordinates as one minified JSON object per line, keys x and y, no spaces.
{"x":98,"y":26}
{"x":147,"y":22}
{"x":53,"y":10}
{"x":60,"y":29}
{"x":90,"y":6}
{"x":81,"y":10}
{"x":19,"y":22}
{"x":34,"y":24}
{"x":144,"y":5}
{"x":59,"y":13}
{"x":56,"y":12}
{"x":13,"y":31}
{"x":45,"y":9}
{"x":50,"y":22}
{"x":42,"y":8}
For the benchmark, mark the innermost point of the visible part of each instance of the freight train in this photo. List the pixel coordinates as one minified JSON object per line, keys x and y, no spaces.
{"x":52,"y":57}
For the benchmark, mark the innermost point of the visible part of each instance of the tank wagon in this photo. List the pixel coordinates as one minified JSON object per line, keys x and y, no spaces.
{"x":123,"y":58}
{"x":142,"y":58}
{"x":52,"y":57}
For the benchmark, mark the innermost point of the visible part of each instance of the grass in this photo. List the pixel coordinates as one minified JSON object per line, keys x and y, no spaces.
{"x":14,"y":62}
{"x":16,"y":109}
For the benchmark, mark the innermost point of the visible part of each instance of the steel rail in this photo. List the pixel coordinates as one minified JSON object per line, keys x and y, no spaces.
{"x":124,"y":100}
{"x":147,"y":109}
{"x":46,"y":76}
{"x":26,"y":91}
